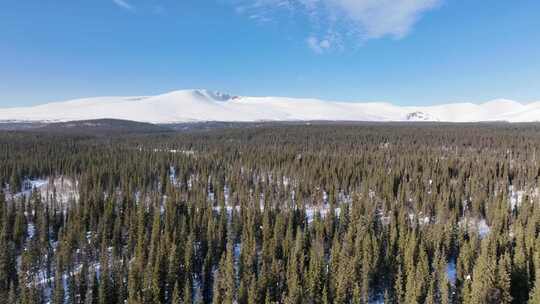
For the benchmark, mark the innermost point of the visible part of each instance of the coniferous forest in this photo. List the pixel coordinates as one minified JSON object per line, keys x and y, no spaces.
{"x":319,"y":213}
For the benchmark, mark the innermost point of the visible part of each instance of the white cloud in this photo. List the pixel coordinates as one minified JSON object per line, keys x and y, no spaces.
{"x":124,"y":4}
{"x":378,"y":18}
{"x":318,"y":46}
{"x":357,"y":19}
{"x":259,"y":18}
{"x":330,"y":41}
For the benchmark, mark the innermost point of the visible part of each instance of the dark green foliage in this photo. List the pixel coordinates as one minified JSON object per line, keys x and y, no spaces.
{"x":275,"y":214}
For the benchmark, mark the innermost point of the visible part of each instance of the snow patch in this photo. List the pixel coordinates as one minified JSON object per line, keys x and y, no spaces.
{"x":478,"y":226}
{"x":515,"y":197}
{"x":451,"y":272}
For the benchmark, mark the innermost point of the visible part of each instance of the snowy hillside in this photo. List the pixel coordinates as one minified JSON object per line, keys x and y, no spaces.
{"x":203,"y":105}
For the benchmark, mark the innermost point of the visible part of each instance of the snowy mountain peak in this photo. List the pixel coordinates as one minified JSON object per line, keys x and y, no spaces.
{"x":419,"y":116}
{"x":207,"y":95}
{"x":206,"y":105}
{"x":215,"y":95}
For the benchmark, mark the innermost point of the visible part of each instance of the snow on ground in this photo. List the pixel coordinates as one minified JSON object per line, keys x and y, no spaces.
{"x":31,"y":230}
{"x":451,"y":272}
{"x":37,"y":183}
{"x":173,"y":177}
{"x":172,"y":174}
{"x":483,"y":228}
{"x":228,"y":209}
{"x":61,"y":189}
{"x":310,"y":210}
{"x":28,"y":186}
{"x":479,"y":226}
{"x":204,"y":105}
{"x":422,"y":220}
{"x":173,"y":151}
{"x":323,"y":211}
{"x":516,"y":197}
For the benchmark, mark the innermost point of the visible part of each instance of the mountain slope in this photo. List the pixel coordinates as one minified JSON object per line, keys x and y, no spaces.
{"x":204,"y":105}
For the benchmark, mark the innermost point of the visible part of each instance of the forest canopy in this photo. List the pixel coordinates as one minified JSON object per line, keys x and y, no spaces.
{"x":319,"y":213}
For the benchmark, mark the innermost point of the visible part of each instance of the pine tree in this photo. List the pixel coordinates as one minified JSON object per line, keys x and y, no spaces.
{"x":12,"y":295}
{"x":399,"y":293}
{"x":59,"y":292}
{"x":92,"y":297}
{"x":295,"y":289}
{"x":225,"y":281}
{"x":430,"y":298}
{"x":253,"y":292}
{"x":520,"y":270}
{"x":534,"y":297}
{"x":29,"y":295}
{"x":503,"y":279}
{"x":72,"y":289}
{"x":8,"y":272}
{"x":82,"y":283}
{"x":175,"y":298}
{"x":159,"y":277}
{"x":105,"y":290}
{"x":315,"y":276}
{"x":188,"y":296}
{"x":484,"y":288}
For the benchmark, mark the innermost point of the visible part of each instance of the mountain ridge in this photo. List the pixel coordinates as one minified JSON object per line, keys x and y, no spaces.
{"x":201,"y":105}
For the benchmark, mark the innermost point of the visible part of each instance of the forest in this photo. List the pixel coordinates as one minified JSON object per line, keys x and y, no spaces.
{"x":300,"y":213}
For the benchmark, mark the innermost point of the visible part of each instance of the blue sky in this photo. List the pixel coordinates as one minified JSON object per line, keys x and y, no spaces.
{"x":408,"y":52}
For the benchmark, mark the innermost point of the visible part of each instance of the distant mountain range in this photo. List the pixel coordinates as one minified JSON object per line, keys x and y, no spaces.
{"x":203,"y":105}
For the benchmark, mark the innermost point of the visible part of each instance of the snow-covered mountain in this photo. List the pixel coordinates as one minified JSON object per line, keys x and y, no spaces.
{"x":204,"y":105}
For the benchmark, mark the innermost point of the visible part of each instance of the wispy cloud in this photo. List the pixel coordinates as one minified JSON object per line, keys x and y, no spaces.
{"x":360,"y":19}
{"x":318,"y":46}
{"x":378,"y":18}
{"x":124,"y":4}
{"x":328,"y":42}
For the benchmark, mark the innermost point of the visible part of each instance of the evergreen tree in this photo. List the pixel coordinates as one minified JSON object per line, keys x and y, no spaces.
{"x":59,"y":292}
